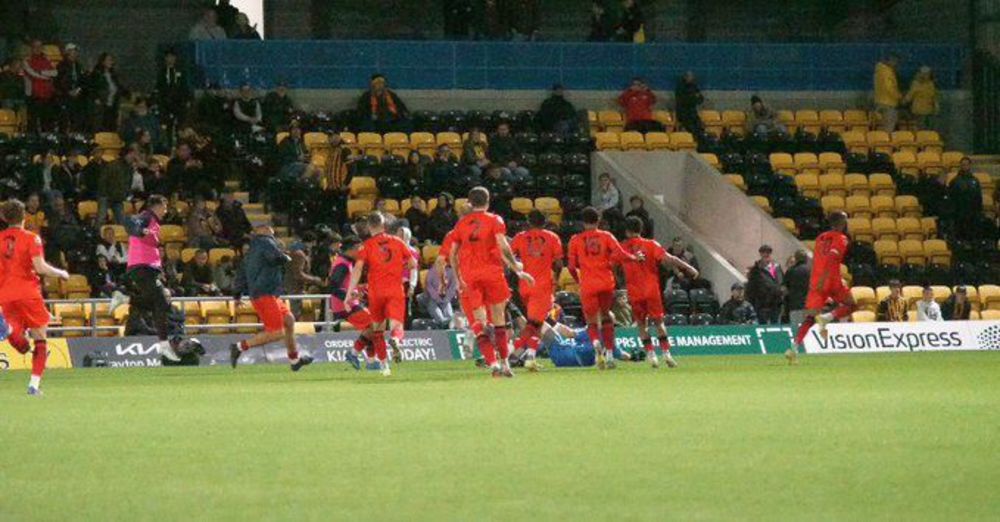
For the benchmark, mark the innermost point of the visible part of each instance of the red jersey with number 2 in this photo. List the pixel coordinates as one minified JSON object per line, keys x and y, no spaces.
{"x":831,"y":247}
{"x":18,"y":280}
{"x":538,"y":250}
{"x":386,"y":258}
{"x":476,"y":239}
{"x":593,"y":253}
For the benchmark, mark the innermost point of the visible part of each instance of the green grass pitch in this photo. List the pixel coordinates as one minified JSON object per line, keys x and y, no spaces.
{"x":877,"y":437}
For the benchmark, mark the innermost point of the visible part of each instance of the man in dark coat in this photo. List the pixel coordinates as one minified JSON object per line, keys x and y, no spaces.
{"x":174,"y":95}
{"x":966,"y":198}
{"x":557,"y":114}
{"x":381,"y":110}
{"x":688,"y":98}
{"x":797,"y":287}
{"x":737,"y":310}
{"x":764,"y":287}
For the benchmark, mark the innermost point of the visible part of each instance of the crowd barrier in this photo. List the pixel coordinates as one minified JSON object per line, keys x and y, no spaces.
{"x":307,"y":64}
{"x":447,"y":345}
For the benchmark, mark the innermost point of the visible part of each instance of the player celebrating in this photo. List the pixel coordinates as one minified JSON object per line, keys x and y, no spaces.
{"x":261,"y":276}
{"x":480,"y":242}
{"x":592,"y":253}
{"x":349,"y":308}
{"x":21,"y":262}
{"x":643,"y":283}
{"x":386,"y":257}
{"x":825,"y":283}
{"x":541,"y":252}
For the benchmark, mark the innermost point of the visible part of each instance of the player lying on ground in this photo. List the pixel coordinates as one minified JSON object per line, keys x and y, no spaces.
{"x":261,"y":276}
{"x":541,"y":252}
{"x":825,"y":283}
{"x":351,"y":309}
{"x":643,"y":283}
{"x":385,"y":257}
{"x":22,"y":261}
{"x":592,"y":255}
{"x":480,"y":242}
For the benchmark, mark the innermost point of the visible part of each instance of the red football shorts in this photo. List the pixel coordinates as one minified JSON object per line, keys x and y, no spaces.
{"x":538,"y":301}
{"x":26,"y":313}
{"x":595,"y":303}
{"x":486,"y":291}
{"x":271,"y":311}
{"x":359,"y":318}
{"x":382,"y":307}
{"x":834,"y":290}
{"x":467,"y":308}
{"x":648,"y":307}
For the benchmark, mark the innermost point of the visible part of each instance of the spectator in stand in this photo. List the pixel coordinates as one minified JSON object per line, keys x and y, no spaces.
{"x":621,"y":310}
{"x":113,"y":186}
{"x":966,"y":198}
{"x":174,"y":92}
{"x":336,"y":175}
{"x":762,"y":120}
{"x":688,"y":98}
{"x":114,"y":251}
{"x":214,"y":110}
{"x":457,"y":15}
{"x":243,"y":30}
{"x":171,"y":272}
{"x":764,"y":287}
{"x":444,"y":170}
{"x":203,"y":229}
{"x":557,"y":114}
{"x":892,"y":309}
{"x":40,"y":89}
{"x":443,"y":217}
{"x":522,"y":18}
{"x":439,"y":293}
{"x":41,"y":176}
{"x":141,"y":120}
{"x":505,"y":152}
{"x":679,"y":279}
{"x":923,"y":98}
{"x":64,"y":229}
{"x":957,"y":307}
{"x":737,"y":310}
{"x":415,"y":173}
{"x":609,"y":198}
{"x":185,"y":172}
{"x":12,"y":94}
{"x":34,"y":216}
{"x":293,"y":156}
{"x":70,"y":82}
{"x":102,"y":281}
{"x":381,"y":110}
{"x":639,"y":210}
{"x":198,"y":278}
{"x":797,"y":287}
{"x":278,"y":107}
{"x":106,"y":91}
{"x":927,"y":307}
{"x":207,"y":28}
{"x":887,"y":95}
{"x":632,"y":26}
{"x":247,"y":111}
{"x":226,"y":16}
{"x":297,"y":277}
{"x":601,"y":25}
{"x":225,"y":275}
{"x":327,"y":245}
{"x":638,"y":101}
{"x":236,"y":228}
{"x":417,"y":217}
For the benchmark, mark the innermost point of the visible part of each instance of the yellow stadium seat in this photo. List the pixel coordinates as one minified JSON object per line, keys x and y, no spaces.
{"x":391,"y":206}
{"x":657,"y":141}
{"x":879,"y":141}
{"x":974,"y":315}
{"x":593,"y":122}
{"x":973,"y":295}
{"x":808,"y":185}
{"x":863,"y":316}
{"x":952,"y":159}
{"x":735,"y":121}
{"x":76,"y":284}
{"x":986,"y":181}
{"x":631,"y":140}
{"x":665,"y":118}
{"x":216,"y":309}
{"x":783,"y":163}
{"x":320,"y":140}
{"x":908,"y":206}
{"x":357,"y":207}
{"x":912,"y":294}
{"x":937,"y":252}
{"x":607,"y":141}
{"x":930,"y":141}
{"x":881,"y":185}
{"x":119,"y":231}
{"x":864,"y":296}
{"x":858,"y":206}
{"x":108,"y":141}
{"x":833,"y":185}
{"x":789,"y":225}
{"x":787,"y":118}
{"x":188,"y":254}
{"x":855,"y":141}
{"x":422,"y":141}
{"x":711,"y":159}
{"x":370,"y":141}
{"x":887,"y":252}
{"x":930,"y":163}
{"x":551,"y":208}
{"x":990,"y":315}
{"x":904,"y":141}
{"x":712,"y":120}
{"x":451,"y":139}
{"x":808,"y":120}
{"x":806,"y":163}
{"x":857,"y":185}
{"x":941,"y":293}
{"x":611,"y":120}
{"x":682,"y":141}
{"x":989,"y":297}
{"x":883,"y":206}
{"x":885,"y":228}
{"x":833,"y":204}
{"x":909,"y":228}
{"x":363,"y":186}
{"x":860,"y":229}
{"x":856,"y":120}
{"x":280,"y":137}
{"x":172,"y":234}
{"x":912,"y":252}
{"x":215,"y":255}
{"x":429,"y":254}
{"x":565,"y":279}
{"x":832,"y":163}
{"x":763,"y":203}
{"x":86,"y":209}
{"x":396,"y":142}
{"x":737,"y":181}
{"x":906,"y":163}
{"x":522,"y":205}
{"x":832,"y":121}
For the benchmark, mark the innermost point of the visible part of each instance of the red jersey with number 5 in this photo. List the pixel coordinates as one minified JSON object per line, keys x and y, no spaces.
{"x":593,"y":253}
{"x":476,"y":239}
{"x":831,"y":247}
{"x":538,"y":250}
{"x":643,"y":279}
{"x":386,"y":259}
{"x":18,"y":280}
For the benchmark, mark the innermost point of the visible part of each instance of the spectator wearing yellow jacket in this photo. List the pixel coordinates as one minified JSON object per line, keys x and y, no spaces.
{"x":887,"y":95}
{"x":923,"y":98}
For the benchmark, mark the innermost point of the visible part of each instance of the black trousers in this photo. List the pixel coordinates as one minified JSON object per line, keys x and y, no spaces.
{"x":148,"y":296}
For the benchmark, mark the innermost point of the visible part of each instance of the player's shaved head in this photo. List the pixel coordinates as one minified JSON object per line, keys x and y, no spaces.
{"x":375,"y":222}
{"x":536,"y":219}
{"x":633,"y":226}
{"x":590,"y":216}
{"x":838,"y":220}
{"x":12,"y":212}
{"x":479,"y":197}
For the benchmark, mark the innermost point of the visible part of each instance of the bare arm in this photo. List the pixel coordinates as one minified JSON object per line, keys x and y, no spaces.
{"x":44,"y":269}
{"x":359,"y":268}
{"x":414,"y":274}
{"x":511,"y":261}
{"x":672,"y":260}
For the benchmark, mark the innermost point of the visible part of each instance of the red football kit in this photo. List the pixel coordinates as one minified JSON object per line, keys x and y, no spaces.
{"x":480,"y":261}
{"x":592,"y":254}
{"x":825,"y":282}
{"x":538,"y":251}
{"x":386,"y":257}
{"x":20,"y":288}
{"x":642,"y":279}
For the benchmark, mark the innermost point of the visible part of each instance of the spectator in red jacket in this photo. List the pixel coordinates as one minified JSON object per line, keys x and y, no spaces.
{"x":638,"y":101}
{"x":40,"y":74}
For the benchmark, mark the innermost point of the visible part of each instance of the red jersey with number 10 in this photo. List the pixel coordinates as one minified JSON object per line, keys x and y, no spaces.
{"x":476,"y":239}
{"x":831,"y":247}
{"x":643,"y":279}
{"x":386,"y":258}
{"x":593,"y":253}
{"x":18,"y":280}
{"x":538,"y":250}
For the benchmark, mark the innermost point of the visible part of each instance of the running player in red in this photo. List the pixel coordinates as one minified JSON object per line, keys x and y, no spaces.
{"x":541,"y":252}
{"x":592,"y":254}
{"x":21,"y":262}
{"x":643,"y":283}
{"x":350,"y":308}
{"x":825,"y":283}
{"x":386,"y":257}
{"x":480,"y":243}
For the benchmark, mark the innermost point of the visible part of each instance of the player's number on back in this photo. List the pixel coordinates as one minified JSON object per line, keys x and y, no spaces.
{"x":476,"y":226}
{"x":593,"y":246}
{"x":9,"y":246}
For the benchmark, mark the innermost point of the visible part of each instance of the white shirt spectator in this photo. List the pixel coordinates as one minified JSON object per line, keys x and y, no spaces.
{"x":116,"y":254}
{"x":201,"y":31}
{"x":928,"y":311}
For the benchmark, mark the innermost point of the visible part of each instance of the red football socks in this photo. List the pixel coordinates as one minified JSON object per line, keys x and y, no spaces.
{"x":378,"y":341}
{"x":485,"y":344}
{"x":647,"y":344}
{"x":502,"y":342}
{"x":39,"y":358}
{"x":593,"y":332}
{"x":664,"y":343}
{"x":804,"y":329}
{"x":842,"y":311}
{"x":608,"y":336}
{"x":19,"y":341}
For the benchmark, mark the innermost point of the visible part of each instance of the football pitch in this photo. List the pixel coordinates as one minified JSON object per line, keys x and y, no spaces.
{"x":884,"y":437}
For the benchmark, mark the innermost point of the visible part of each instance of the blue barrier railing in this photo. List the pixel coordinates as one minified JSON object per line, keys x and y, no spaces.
{"x":537,"y":65}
